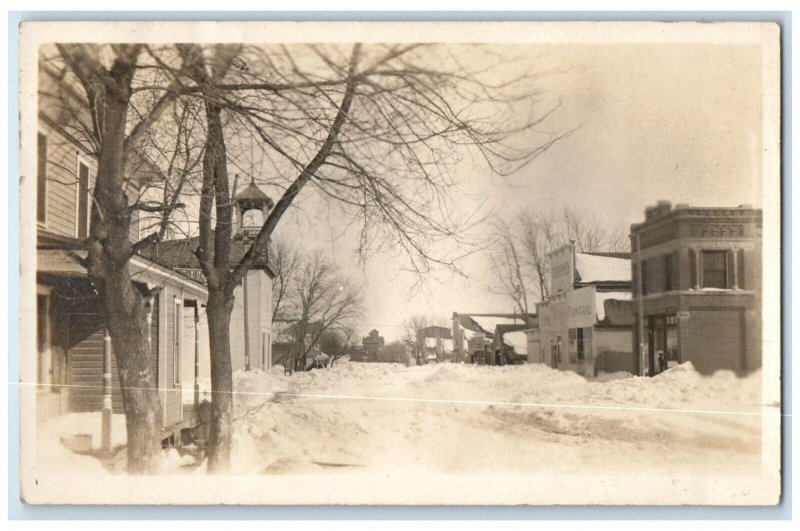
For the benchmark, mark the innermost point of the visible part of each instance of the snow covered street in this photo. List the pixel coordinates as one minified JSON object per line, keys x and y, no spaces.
{"x":454,"y":419}
{"x":463,"y":433}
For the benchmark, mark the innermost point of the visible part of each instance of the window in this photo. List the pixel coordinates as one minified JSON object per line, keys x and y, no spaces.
{"x":41,"y":175}
{"x":177,"y":321}
{"x":715,"y":269}
{"x":581,"y":344}
{"x":669,"y":272}
{"x":83,"y":200}
{"x":577,"y":345}
{"x":693,"y":280}
{"x":740,"y":269}
{"x":572,"y":338}
{"x":557,"y":350}
{"x":645,"y":277}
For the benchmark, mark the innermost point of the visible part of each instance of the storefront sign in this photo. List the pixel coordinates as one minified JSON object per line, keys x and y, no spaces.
{"x":562,"y":270}
{"x":581,"y":308}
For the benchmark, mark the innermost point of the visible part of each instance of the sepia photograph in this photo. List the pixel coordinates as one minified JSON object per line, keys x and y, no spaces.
{"x":400,"y":263}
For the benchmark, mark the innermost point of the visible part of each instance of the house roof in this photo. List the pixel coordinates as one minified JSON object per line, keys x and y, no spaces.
{"x":517,"y":339}
{"x":58,"y":262}
{"x":467,"y":322}
{"x":252,"y":193}
{"x":610,"y":254}
{"x":601,"y":297}
{"x":491,"y":324}
{"x":599,"y":267}
{"x":179,"y":254}
{"x":435,"y":331}
{"x":68,"y":263}
{"x":64,"y":255}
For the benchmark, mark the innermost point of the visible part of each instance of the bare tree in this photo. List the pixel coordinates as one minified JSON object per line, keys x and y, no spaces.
{"x":413,"y":324}
{"x":395,"y":351}
{"x":519,"y":257}
{"x":338,"y":342}
{"x":121,"y":103}
{"x":323,"y":300}
{"x":506,"y":258}
{"x":379,"y":129}
{"x":284,"y":258}
{"x":589,"y":232}
{"x":174,"y":147}
{"x":538,"y":238}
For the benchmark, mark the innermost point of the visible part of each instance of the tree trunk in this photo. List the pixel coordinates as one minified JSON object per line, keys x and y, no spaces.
{"x":220,"y":306}
{"x":109,"y":253}
{"x":128,"y":328}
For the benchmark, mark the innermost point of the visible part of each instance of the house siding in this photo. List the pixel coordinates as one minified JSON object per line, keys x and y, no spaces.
{"x":85,"y":366}
{"x":62,"y":191}
{"x":61,"y":188}
{"x":171,"y":394}
{"x":203,"y":354}
{"x":259,"y":312}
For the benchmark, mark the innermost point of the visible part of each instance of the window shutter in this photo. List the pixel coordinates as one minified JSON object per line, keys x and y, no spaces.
{"x":693,"y":279}
{"x":729,"y":258}
{"x":740,"y":269}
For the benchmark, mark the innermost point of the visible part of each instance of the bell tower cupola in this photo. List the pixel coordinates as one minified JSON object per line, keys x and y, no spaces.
{"x":251,"y":207}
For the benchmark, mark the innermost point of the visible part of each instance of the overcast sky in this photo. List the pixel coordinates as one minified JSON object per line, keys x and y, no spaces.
{"x":675,"y":122}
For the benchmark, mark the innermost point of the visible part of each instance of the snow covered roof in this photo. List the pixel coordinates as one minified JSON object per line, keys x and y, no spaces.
{"x":601,"y":297}
{"x":518,"y":340}
{"x":489,"y":323}
{"x":597,"y":268}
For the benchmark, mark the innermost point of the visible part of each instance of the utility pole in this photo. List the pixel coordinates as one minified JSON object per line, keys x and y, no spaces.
{"x":640,"y":304}
{"x":458,"y":343}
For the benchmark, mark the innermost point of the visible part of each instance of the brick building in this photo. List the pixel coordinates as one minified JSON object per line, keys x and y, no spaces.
{"x":700,"y":287}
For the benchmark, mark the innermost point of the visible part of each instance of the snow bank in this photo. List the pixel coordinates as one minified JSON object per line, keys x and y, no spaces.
{"x":453,"y":418}
{"x":371,"y":415}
